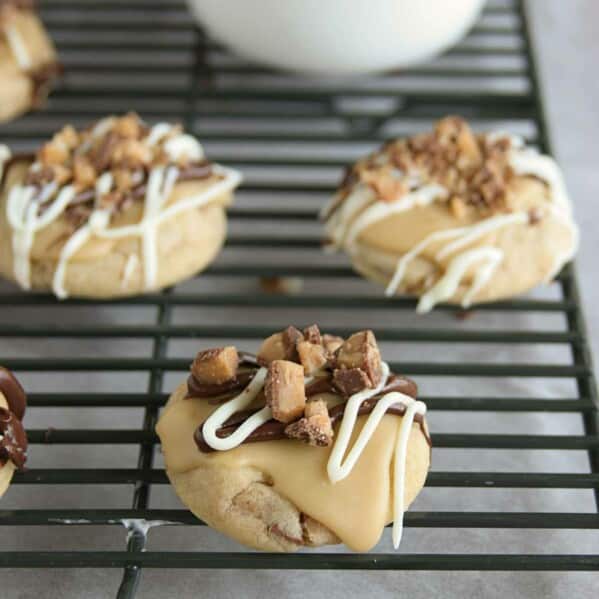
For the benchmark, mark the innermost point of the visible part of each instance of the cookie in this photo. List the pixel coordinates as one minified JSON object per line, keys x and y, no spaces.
{"x":118,"y":209}
{"x":311,"y":442}
{"x":13,"y":440}
{"x":28,"y":63}
{"x":450,"y":216}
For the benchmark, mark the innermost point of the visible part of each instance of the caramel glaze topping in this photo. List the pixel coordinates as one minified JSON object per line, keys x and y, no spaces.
{"x":274,"y":430}
{"x":13,"y":440}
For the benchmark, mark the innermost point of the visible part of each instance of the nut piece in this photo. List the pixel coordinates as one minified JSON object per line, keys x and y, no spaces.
{"x":284,"y":390}
{"x":350,"y":380}
{"x":216,"y":366}
{"x":315,"y":428}
{"x":280,"y":346}
{"x":361,"y":351}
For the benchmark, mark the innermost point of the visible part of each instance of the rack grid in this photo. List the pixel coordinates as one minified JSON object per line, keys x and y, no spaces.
{"x":147,"y":55}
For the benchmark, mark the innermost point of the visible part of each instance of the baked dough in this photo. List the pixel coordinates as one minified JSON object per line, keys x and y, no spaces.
{"x":144,"y":247}
{"x":454,"y":217}
{"x":276,"y":495}
{"x":28,"y":61}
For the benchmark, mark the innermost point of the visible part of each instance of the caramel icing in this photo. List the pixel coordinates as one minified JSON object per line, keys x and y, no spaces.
{"x":355,"y":509}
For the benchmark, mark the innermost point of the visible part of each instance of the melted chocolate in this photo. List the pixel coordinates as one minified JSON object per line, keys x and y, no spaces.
{"x":205,"y":391}
{"x":13,"y":392}
{"x":13,"y":444}
{"x":227,"y":389}
{"x":275,"y":430}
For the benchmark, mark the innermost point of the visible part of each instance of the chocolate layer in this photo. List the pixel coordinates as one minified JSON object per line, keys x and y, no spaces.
{"x":274,"y":430}
{"x":13,"y":441}
{"x":13,"y":392}
{"x":228,"y":388}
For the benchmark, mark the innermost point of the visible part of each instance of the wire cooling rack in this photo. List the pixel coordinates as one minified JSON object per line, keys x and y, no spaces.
{"x":291,"y":137}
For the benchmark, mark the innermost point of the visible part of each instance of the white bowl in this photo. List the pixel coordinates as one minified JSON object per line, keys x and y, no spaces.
{"x":337,"y":36}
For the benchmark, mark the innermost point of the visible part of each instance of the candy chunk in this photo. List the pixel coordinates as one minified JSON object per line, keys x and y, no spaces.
{"x":361,"y":351}
{"x":350,"y":380}
{"x":331,"y":343}
{"x":315,"y":427}
{"x":312,"y":357}
{"x":215,"y":366}
{"x":285,"y":391}
{"x":280,"y":346}
{"x":312,"y":354}
{"x":312,"y":334}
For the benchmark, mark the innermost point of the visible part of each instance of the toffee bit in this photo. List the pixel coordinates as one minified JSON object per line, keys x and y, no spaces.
{"x":216,"y":366}
{"x":315,"y":428}
{"x":473,"y":167}
{"x":284,"y":390}
{"x":360,"y":351}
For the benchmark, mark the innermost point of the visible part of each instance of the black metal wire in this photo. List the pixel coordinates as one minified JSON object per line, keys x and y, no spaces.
{"x":198,"y":97}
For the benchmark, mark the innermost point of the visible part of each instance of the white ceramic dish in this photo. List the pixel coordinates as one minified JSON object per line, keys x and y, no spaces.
{"x":337,"y":36}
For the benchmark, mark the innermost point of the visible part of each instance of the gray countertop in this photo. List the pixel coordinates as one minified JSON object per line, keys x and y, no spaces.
{"x":568,"y":41}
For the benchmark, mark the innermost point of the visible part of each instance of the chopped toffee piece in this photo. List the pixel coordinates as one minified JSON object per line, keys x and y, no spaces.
{"x":312,"y":354}
{"x":312,"y":357}
{"x":350,"y":380}
{"x":312,"y":334}
{"x":315,"y":427}
{"x":474,"y":169}
{"x":119,"y":147}
{"x":332,"y":343}
{"x":280,"y":346}
{"x":284,"y":390}
{"x":359,"y":352}
{"x":216,"y":366}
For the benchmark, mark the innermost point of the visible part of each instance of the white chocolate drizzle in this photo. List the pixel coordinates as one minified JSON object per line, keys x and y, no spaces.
{"x":337,"y":469}
{"x":360,"y":209}
{"x":130,"y":265}
{"x":24,"y":203}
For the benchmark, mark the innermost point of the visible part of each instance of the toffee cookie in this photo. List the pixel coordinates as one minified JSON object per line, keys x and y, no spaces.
{"x":118,"y":209}
{"x":28,"y":62}
{"x":450,"y":216}
{"x":13,"y":441}
{"x":312,"y":442}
